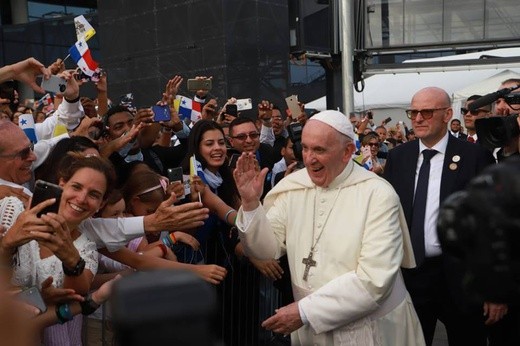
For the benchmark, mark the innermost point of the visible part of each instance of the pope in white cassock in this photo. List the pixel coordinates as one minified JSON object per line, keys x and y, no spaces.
{"x":345,"y":236}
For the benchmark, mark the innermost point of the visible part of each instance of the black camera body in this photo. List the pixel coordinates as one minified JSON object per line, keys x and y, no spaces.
{"x":295,"y":135}
{"x":480,"y":228}
{"x":496,"y":131}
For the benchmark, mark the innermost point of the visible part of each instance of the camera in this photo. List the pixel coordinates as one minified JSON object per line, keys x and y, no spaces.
{"x":295,"y":135}
{"x":496,"y":131}
{"x":479,"y":228}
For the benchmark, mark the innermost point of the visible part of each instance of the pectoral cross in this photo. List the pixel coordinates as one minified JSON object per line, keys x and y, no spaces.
{"x":309,"y":262}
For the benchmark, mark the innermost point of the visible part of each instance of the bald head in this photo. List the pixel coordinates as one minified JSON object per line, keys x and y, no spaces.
{"x":440,"y":95}
{"x":7,"y":130}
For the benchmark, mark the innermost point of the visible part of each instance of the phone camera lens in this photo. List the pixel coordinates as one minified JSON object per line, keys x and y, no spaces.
{"x":62,"y":87}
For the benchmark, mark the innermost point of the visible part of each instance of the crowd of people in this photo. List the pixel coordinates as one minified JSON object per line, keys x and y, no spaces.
{"x":345,"y":212}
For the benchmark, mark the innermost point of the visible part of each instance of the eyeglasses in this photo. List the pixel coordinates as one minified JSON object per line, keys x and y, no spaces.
{"x":373,"y":144}
{"x":243,"y":136}
{"x":425,"y":113}
{"x":474,"y":112}
{"x":24,"y":153}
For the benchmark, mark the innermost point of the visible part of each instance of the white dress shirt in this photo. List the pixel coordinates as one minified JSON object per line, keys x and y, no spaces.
{"x":432,"y":246}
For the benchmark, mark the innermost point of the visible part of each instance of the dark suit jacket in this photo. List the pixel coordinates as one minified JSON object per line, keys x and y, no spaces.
{"x":400,"y":170}
{"x":401,"y":165}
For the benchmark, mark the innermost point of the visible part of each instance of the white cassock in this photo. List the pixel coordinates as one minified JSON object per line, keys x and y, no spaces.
{"x":355,"y":294}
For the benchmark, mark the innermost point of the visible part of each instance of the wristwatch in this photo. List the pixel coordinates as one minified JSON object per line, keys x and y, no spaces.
{"x":88,"y":306}
{"x":77,"y":270}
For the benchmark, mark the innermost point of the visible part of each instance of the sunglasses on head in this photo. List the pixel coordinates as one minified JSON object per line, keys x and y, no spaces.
{"x":24,"y":153}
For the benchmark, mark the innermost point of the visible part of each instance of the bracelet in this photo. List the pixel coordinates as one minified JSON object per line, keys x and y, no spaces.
{"x":88,"y":306}
{"x":72,"y":101}
{"x":227,"y":214}
{"x":172,"y":237}
{"x":163,"y":249}
{"x":63,"y":313}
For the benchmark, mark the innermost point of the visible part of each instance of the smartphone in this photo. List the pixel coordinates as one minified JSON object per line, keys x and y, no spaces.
{"x":370,"y":115}
{"x":365,"y":150}
{"x":244,"y":104}
{"x":232,"y":110}
{"x":387,"y":120}
{"x":175,"y":174}
{"x":44,"y":191}
{"x":199,"y":84}
{"x":233,"y":161}
{"x":54,"y":84}
{"x":292,"y":104}
{"x":32,"y":296}
{"x":161,"y":113}
{"x":82,"y":76}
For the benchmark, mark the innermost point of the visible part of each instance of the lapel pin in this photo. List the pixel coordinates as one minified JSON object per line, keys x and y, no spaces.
{"x":453,"y":166}
{"x":455,"y":158}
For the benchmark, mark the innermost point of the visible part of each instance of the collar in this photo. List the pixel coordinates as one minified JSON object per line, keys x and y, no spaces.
{"x":11,"y":184}
{"x":440,"y":146}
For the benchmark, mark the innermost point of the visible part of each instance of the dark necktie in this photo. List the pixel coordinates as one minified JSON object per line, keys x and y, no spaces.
{"x":419,"y":206}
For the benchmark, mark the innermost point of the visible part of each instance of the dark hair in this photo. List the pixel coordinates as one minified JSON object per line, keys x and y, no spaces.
{"x":229,"y":192}
{"x":452,"y":120}
{"x":46,"y":171}
{"x":240,"y":121}
{"x":114,"y":110}
{"x":73,"y":162}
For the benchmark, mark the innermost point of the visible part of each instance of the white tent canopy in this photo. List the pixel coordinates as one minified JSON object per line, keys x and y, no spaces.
{"x":394,"y":91}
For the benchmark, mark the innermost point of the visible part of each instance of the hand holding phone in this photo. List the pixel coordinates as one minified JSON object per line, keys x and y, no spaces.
{"x":161,"y":113}
{"x":196,"y":84}
{"x":43,"y":191}
{"x":387,"y":120}
{"x":293,"y":106}
{"x":175,"y":174}
{"x":231,"y":109}
{"x":54,"y":84}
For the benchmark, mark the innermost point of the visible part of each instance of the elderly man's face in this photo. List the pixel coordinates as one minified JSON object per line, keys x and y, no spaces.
{"x":16,"y":157}
{"x":431,"y":130}
{"x":325,"y":152}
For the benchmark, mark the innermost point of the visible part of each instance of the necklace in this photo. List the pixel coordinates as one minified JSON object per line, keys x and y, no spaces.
{"x":309,"y":261}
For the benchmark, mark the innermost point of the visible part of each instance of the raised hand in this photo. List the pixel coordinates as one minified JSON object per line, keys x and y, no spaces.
{"x":265,"y":110}
{"x":249,"y":180}
{"x":172,"y":88}
{"x":209,"y":111}
{"x":174,"y":218}
{"x":26,"y":71}
{"x":143,"y":115}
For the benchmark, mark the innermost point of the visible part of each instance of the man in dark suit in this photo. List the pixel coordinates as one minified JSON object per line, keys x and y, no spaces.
{"x":424,"y":172}
{"x":455,"y":129}
{"x":471,"y":115}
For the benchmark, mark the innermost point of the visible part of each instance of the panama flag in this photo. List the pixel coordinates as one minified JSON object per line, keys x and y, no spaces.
{"x":81,"y":55}
{"x":26,"y":123}
{"x":188,"y":108}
